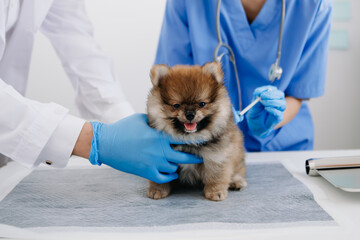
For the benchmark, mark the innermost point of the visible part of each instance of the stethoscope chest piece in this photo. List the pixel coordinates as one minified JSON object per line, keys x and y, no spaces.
{"x":275,"y":72}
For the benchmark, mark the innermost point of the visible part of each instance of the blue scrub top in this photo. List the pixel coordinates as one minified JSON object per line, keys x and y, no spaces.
{"x":188,"y":36}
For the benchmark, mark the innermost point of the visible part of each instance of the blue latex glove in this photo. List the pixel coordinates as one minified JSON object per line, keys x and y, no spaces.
{"x":237,"y":118}
{"x":131,"y":145}
{"x":264,"y":116}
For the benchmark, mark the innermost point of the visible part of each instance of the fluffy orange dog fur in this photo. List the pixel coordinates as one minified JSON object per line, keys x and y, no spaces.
{"x":191,"y":103}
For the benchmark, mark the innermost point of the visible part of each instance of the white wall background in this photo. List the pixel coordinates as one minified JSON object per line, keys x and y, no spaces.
{"x":336,"y":115}
{"x":128,"y":31}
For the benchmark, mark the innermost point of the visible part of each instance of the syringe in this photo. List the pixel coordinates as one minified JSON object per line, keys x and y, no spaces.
{"x":249,"y":106}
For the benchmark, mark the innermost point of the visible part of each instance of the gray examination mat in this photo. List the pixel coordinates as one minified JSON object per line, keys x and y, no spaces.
{"x":107,"y":198}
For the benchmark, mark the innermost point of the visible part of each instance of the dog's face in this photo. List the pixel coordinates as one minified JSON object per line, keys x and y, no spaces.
{"x":188,"y":102}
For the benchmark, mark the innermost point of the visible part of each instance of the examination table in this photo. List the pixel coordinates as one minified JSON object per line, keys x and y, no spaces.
{"x":86,"y":202}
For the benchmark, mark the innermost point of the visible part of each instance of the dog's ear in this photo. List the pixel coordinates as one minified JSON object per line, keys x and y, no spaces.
{"x":215,"y":70}
{"x":158,"y":72}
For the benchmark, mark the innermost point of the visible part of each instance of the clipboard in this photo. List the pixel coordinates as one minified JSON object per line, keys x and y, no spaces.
{"x":342,"y":172}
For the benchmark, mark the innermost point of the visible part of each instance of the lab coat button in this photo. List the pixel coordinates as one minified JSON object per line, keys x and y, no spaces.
{"x":48,"y":162}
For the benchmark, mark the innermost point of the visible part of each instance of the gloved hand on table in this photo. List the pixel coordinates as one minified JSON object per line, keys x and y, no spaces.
{"x":131,"y":145}
{"x":268,"y":113}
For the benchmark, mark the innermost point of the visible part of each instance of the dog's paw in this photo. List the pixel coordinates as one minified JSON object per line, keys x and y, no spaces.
{"x":216,"y":195}
{"x":158,"y":192}
{"x":238,"y":185}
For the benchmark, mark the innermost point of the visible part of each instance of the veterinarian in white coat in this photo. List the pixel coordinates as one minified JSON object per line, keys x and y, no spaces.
{"x":32,"y":132}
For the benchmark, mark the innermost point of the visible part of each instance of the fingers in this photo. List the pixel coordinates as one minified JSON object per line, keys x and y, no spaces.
{"x":237,"y":118}
{"x":270,"y":97}
{"x":274,"y":99}
{"x":168,"y":168}
{"x":268,"y":93}
{"x":255,"y":111}
{"x":181,"y":157}
{"x":184,"y":158}
{"x":265,"y":116}
{"x":164,"y":178}
{"x":141,"y":120}
{"x":274,"y":118}
{"x":278,"y":114}
{"x":167,"y":140}
{"x":172,"y":140}
{"x":176,"y":156}
{"x":258,"y":91}
{"x":275,"y":94}
{"x":277,"y":104}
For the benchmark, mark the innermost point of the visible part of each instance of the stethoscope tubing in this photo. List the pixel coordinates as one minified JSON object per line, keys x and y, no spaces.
{"x":217,"y":58}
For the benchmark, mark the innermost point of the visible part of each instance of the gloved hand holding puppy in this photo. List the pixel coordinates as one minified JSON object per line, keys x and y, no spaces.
{"x":131,"y":145}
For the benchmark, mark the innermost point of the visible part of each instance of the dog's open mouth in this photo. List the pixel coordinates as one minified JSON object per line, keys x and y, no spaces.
{"x":190,"y":127}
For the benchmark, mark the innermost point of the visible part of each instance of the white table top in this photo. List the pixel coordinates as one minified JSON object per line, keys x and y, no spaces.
{"x":344,"y":207}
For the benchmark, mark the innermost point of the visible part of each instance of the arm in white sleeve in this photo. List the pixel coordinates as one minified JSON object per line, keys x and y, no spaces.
{"x":99,"y":95}
{"x":32,"y":133}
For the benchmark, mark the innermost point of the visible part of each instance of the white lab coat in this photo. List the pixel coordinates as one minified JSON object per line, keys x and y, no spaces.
{"x":33,"y":132}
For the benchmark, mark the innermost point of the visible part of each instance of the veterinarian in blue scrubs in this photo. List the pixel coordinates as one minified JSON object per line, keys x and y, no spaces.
{"x":188,"y":36}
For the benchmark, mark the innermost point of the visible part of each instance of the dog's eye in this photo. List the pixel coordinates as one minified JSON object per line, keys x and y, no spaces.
{"x":202,"y":104}
{"x":176,"y":106}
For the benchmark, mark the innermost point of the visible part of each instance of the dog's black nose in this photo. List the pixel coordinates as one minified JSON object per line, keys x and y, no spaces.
{"x":190,"y":115}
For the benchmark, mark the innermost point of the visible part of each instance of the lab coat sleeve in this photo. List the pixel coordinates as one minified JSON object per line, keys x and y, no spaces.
{"x":309,"y":78}
{"x":174,"y":44}
{"x":32,"y":132}
{"x":99,"y":95}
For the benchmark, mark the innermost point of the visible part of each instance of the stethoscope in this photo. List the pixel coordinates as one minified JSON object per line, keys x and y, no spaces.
{"x":275,"y":71}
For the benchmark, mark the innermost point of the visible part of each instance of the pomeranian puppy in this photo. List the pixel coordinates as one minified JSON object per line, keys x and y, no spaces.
{"x":191,"y":103}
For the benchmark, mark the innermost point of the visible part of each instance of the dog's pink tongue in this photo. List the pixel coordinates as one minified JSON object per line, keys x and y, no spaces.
{"x":190,"y":126}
